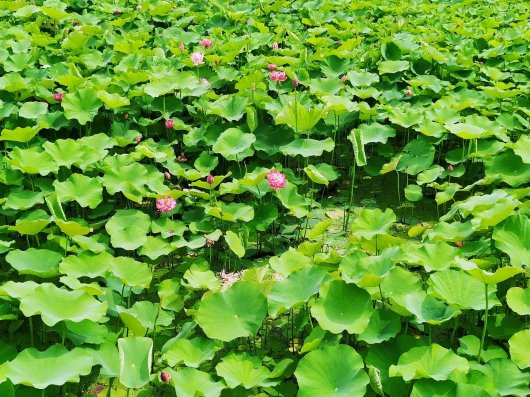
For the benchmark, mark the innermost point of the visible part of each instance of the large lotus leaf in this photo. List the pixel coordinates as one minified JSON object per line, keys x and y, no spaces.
{"x":86,"y":264}
{"x":135,"y":361}
{"x":522,"y":148}
{"x":509,"y":168}
{"x":113,"y":100}
{"x":294,"y":202}
{"x":36,"y":262}
{"x":82,"y":105}
{"x":18,"y":290}
{"x":362,"y":79}
{"x":31,"y":223}
{"x":23,"y":200}
{"x":73,"y":227}
{"x":434,"y":361}
{"x":87,"y":331}
{"x":433,"y":257}
{"x":190,"y":382}
{"x":519,"y":344}
{"x":513,"y":237}
{"x":333,"y":371}
{"x":244,"y":370}
{"x":397,"y":285}
{"x":232,"y":212}
{"x":21,"y":134}
{"x":131,"y":272}
{"x":446,"y":388}
{"x":54,"y":366}
{"x":155,"y":247}
{"x":454,"y":231}
{"x":417,"y":156}
{"x":368,"y":271}
{"x":88,"y":192}
{"x":33,"y":110}
{"x":300,"y":119}
{"x":470,"y":345}
{"x":231,"y":108}
{"x":307,"y":147}
{"x":371,"y":222}
{"x":498,"y":276}
{"x":197,"y":277}
{"x":341,"y":306}
{"x":236,"y":312}
{"x":384,"y":325}
{"x":32,"y":161}
{"x":518,"y":299}
{"x":56,"y":304}
{"x":233,"y":142}
{"x":128,"y":229}
{"x":235,"y":243}
{"x":190,"y":352}
{"x":297,"y":288}
{"x":461,"y":290}
{"x":502,"y":377}
{"x":145,"y":315}
{"x":168,"y":292}
{"x":428,"y":309}
{"x":376,"y":132}
{"x":405,"y":117}
{"x":289,"y":262}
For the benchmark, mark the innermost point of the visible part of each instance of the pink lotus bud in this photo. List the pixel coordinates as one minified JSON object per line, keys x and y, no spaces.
{"x":126,"y":116}
{"x":275,"y":45}
{"x":459,"y":244}
{"x":408,"y":92}
{"x":138,"y":139}
{"x":52,"y":23}
{"x":116,"y":12}
{"x":271,"y":67}
{"x":169,"y":123}
{"x":217,"y":61}
{"x":206,"y":43}
{"x":58,"y":96}
{"x":167,"y":175}
{"x":210,"y":179}
{"x":277,"y":76}
{"x":197,"y":58}
{"x":182,"y":47}
{"x":139,"y":7}
{"x":182,"y":158}
{"x":165,"y":377}
{"x":449,"y":168}
{"x":295,"y":83}
{"x":276,"y":179}
{"x":210,"y":243}
{"x":75,"y":22}
{"x":205,"y":82}
{"x":343,"y":78}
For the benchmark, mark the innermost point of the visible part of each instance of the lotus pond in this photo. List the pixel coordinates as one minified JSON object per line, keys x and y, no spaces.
{"x":318,"y":198}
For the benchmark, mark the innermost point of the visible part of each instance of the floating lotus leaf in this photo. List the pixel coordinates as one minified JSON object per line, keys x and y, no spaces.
{"x":82,"y":105}
{"x":362,"y":79}
{"x":21,"y":134}
{"x":470,"y":345}
{"x":297,"y":288}
{"x":433,"y":257}
{"x":434,"y":361}
{"x":342,"y":306}
{"x":131,"y":272}
{"x":244,"y":370}
{"x":236,"y":312}
{"x":397,"y":285}
{"x":190,"y":382}
{"x":368,"y":271}
{"x":56,"y":366}
{"x":308,"y":147}
{"x":522,"y":148}
{"x":513,"y":237}
{"x":384,"y":325}
{"x":333,"y":371}
{"x":518,"y":299}
{"x":128,"y":229}
{"x":454,"y":231}
{"x":386,"y":67}
{"x":135,"y":361}
{"x":88,"y":192}
{"x":56,"y":304}
{"x":509,"y":168}
{"x":190,"y":352}
{"x":114,"y":100}
{"x":372,"y":222}
{"x":37,"y":262}
{"x":149,"y":315}
{"x":428,"y":309}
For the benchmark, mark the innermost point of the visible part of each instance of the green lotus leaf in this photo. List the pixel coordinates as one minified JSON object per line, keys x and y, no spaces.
{"x":315,"y":175}
{"x":405,"y":117}
{"x":234,"y":143}
{"x":300,"y":119}
{"x":454,"y":231}
{"x":82,"y":105}
{"x":87,"y":331}
{"x":23,"y":200}
{"x":502,"y":377}
{"x":333,"y":371}
{"x":18,"y":290}
{"x":128,"y":229}
{"x":168,"y":293}
{"x":434,"y":361}
{"x":362,"y":79}
{"x":289,"y":262}
{"x":428,"y":309}
{"x":521,"y":148}
{"x":244,"y":370}
{"x":190,"y":382}
{"x":114,"y":100}
{"x":55,"y":304}
{"x":376,"y":132}
{"x":167,"y":227}
{"x":513,"y":237}
{"x":36,"y":262}
{"x":433,"y":257}
{"x":88,"y":192}
{"x":96,"y":243}
{"x":235,"y":243}
{"x":386,"y":67}
{"x":236,"y":312}
{"x":31,"y":223}
{"x":368,"y":271}
{"x":199,"y":278}
{"x":317,"y":338}
{"x":135,"y":361}
{"x":372,"y":222}
{"x":190,"y":352}
{"x":432,"y":388}
{"x":65,"y":152}
{"x":518,"y":299}
{"x":342,"y":306}
{"x":509,"y":168}
{"x":56,"y":366}
{"x":155,"y":247}
{"x":307,"y":147}
{"x":130,"y":272}
{"x":33,"y":110}
{"x":501,"y":274}
{"x":21,"y":134}
{"x":294,"y":202}
{"x":519,"y":343}
{"x":418,"y":155}
{"x":383,"y":325}
{"x":232,"y":212}
{"x":148,"y":314}
{"x":413,"y":193}
{"x":470,"y":345}
{"x":297,"y":288}
{"x":460,"y":290}
{"x":13,"y":82}
{"x":339,"y":105}
{"x":231,"y":108}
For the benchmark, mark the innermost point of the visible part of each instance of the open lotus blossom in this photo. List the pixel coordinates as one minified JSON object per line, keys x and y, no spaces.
{"x":165,"y":377}
{"x":197,"y":58}
{"x":276,"y":180}
{"x":277,"y":76}
{"x":275,"y":45}
{"x":205,"y":82}
{"x":210,"y":179}
{"x":58,"y":96}
{"x":169,"y":123}
{"x":206,"y":43}
{"x":408,"y":92}
{"x":166,"y":204}
{"x":227,"y":279}
{"x":271,"y":67}
{"x":343,"y":78}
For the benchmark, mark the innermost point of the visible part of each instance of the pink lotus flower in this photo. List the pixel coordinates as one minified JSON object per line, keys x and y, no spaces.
{"x":169,"y":123}
{"x":167,"y":175}
{"x":277,"y":76}
{"x":296,"y":83}
{"x":276,"y":180}
{"x":165,"y":377}
{"x":58,"y":96}
{"x":182,"y":47}
{"x":138,"y":139}
{"x":275,"y":46}
{"x":205,"y":82}
{"x":210,"y":179}
{"x":449,"y":168}
{"x":197,"y":58}
{"x":166,"y":204}
{"x":343,"y":78}
{"x":271,"y":67}
{"x":206,"y":43}
{"x":408,"y":92}
{"x":227,"y":279}
{"x":116,"y":12}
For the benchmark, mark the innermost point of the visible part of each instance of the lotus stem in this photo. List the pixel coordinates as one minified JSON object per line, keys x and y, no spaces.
{"x":347,"y":216}
{"x":484,"y":329}
{"x":31,"y":331}
{"x":398,"y":194}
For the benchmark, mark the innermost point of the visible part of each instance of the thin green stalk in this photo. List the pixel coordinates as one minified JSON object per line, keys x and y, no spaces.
{"x":484,"y":329}
{"x":347,"y":216}
{"x":31,"y":331}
